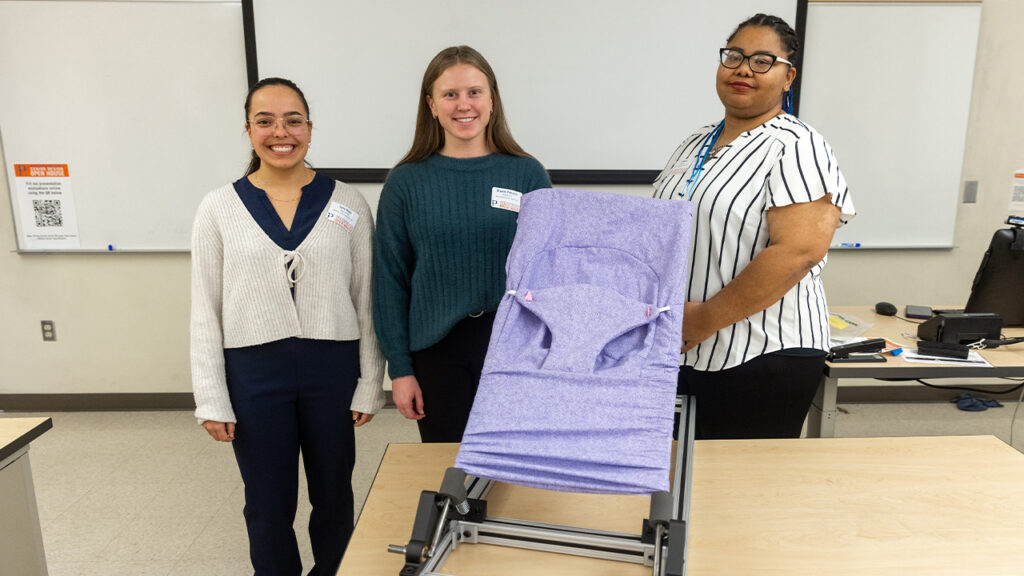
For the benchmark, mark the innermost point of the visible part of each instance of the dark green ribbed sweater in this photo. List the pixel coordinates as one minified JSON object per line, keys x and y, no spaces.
{"x":440,"y":248}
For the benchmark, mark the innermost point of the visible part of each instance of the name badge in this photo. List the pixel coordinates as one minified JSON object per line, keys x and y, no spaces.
{"x":682,"y":167}
{"x":505,"y":199}
{"x":670,"y":175}
{"x":340,"y":214}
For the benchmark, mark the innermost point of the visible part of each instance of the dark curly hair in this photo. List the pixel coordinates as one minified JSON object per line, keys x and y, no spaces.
{"x":790,"y":41}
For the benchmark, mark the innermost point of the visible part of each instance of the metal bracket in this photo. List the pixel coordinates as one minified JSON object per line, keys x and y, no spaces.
{"x":457,"y":515}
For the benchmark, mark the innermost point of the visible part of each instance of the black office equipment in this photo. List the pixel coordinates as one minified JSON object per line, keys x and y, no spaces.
{"x":921,"y":312}
{"x":960,"y":328}
{"x":999,"y":284}
{"x":943,"y":349}
{"x":864,"y":347}
{"x":855,"y":358}
{"x":885,"y":309}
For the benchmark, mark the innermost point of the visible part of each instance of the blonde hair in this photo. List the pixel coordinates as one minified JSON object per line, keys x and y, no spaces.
{"x":429,"y":136}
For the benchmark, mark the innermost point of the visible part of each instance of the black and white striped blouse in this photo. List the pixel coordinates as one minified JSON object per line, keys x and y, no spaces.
{"x":781,"y":162}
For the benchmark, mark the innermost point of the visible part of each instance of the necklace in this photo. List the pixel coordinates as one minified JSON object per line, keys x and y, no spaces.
{"x":259,"y":184}
{"x":296,"y":199}
{"x":717,"y":149}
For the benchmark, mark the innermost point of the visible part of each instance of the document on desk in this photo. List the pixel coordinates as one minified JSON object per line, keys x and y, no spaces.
{"x":973,"y":359}
{"x":846,"y":327}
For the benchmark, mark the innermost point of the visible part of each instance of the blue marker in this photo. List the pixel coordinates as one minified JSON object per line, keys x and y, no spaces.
{"x":110,"y":247}
{"x":850,"y":245}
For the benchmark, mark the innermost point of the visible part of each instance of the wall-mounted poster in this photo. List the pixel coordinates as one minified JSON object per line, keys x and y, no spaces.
{"x":46,"y":207}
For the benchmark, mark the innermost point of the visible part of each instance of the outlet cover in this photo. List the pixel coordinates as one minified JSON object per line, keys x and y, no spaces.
{"x":970,"y":191}
{"x":49,"y":331}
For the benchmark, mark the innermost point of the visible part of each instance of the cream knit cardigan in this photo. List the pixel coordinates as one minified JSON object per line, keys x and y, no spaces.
{"x":241,"y":295}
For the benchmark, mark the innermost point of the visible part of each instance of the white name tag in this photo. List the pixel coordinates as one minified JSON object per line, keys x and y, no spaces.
{"x":682,"y":167}
{"x":505,"y":199}
{"x":340,"y":214}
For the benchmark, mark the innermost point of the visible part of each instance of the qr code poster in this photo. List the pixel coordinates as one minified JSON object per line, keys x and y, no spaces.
{"x":47,"y":213}
{"x":46,"y":207}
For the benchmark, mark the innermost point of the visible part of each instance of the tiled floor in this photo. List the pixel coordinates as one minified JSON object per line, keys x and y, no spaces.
{"x":149,"y":493}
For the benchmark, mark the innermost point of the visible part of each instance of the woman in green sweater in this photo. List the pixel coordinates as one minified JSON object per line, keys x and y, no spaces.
{"x":445,"y":223}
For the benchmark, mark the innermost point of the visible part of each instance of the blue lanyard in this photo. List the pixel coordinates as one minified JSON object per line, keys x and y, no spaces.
{"x":702,"y":156}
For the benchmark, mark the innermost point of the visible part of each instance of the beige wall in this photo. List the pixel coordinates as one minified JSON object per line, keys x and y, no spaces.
{"x":122,"y":319}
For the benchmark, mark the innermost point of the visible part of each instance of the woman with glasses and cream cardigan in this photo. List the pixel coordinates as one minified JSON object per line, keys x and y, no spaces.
{"x":284,"y":356}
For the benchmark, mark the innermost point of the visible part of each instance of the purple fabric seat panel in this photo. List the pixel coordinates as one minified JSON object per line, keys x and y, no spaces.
{"x":578,"y":388}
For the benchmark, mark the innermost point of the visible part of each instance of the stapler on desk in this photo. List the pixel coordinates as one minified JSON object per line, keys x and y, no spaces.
{"x":863,"y":351}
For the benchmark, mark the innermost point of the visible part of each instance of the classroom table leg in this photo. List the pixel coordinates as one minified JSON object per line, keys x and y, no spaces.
{"x":21,"y":540}
{"x":821,"y":418}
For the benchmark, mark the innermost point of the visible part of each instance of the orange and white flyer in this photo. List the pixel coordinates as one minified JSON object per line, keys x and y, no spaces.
{"x":45,"y":207}
{"x":1017,"y":191}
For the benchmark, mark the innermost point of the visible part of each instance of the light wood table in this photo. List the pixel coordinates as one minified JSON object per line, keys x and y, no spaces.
{"x":846,"y":506}
{"x":21,"y":541}
{"x":1006,"y":361}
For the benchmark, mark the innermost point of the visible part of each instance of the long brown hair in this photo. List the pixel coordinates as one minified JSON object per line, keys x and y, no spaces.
{"x":429,"y":137}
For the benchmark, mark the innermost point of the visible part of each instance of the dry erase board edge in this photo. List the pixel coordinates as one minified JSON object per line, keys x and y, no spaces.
{"x":868,"y":247}
{"x":30,"y":252}
{"x":883,"y":2}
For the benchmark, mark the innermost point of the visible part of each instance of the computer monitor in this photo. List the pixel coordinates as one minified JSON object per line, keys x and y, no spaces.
{"x":999,"y":284}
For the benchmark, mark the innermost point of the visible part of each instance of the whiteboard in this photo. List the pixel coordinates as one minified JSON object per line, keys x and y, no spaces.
{"x":889,"y":86}
{"x":141,"y":100}
{"x":587,"y":85}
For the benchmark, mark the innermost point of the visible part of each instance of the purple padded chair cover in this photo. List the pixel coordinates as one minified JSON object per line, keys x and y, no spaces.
{"x":578,"y":388}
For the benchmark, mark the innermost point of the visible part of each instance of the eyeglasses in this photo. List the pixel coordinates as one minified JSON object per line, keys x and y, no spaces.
{"x":292,"y":123}
{"x":759,"y":63}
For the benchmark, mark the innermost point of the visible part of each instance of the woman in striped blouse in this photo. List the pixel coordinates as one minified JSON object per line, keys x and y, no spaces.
{"x":768,"y":195}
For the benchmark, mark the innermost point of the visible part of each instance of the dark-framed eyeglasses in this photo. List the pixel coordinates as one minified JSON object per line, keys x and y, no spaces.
{"x":759,"y":63}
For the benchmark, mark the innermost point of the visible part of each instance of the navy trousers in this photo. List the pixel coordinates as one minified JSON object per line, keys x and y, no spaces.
{"x":765,"y":397}
{"x":289,"y":396}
